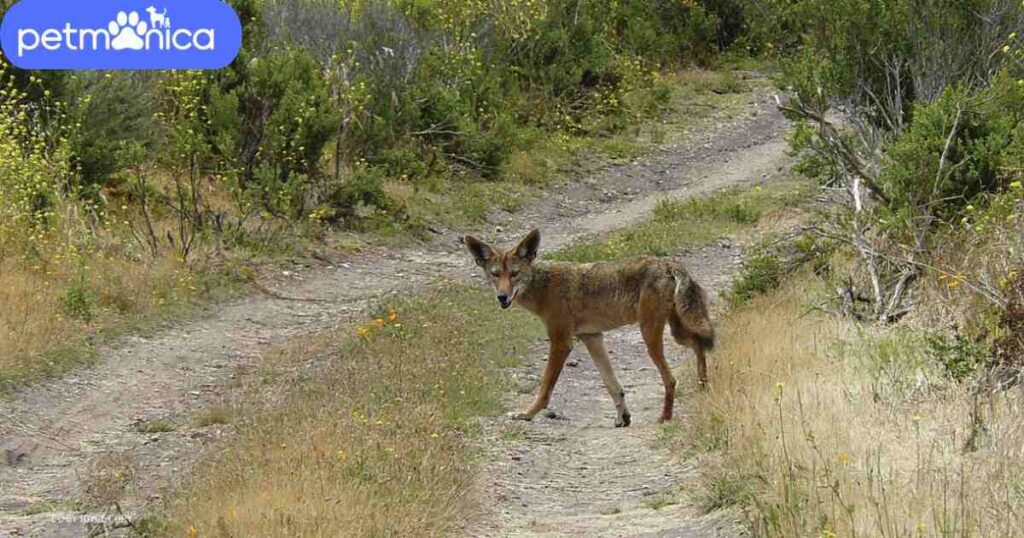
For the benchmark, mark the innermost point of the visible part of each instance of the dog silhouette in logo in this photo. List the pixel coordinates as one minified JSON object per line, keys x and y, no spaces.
{"x":158,"y":20}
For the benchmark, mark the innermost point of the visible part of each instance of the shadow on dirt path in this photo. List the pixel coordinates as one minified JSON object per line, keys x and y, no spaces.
{"x":55,"y":436}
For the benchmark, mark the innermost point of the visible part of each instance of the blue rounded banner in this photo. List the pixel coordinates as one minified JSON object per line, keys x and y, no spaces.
{"x":120,"y":34}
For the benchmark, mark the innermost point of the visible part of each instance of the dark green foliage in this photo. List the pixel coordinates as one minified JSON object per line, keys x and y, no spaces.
{"x":918,"y":82}
{"x":879,"y":56}
{"x":114,"y":127}
{"x":762,"y":272}
{"x":959,"y":356}
{"x":79,"y":301}
{"x":272,"y":122}
{"x":359,"y":196}
{"x":772,"y":260}
{"x":963,"y":132}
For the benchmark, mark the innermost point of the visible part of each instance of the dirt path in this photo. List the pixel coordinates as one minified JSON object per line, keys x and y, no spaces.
{"x":56,"y":437}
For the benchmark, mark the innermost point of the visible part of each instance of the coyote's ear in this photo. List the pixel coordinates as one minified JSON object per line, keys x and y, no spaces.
{"x":528,"y":247}
{"x":482,"y":252}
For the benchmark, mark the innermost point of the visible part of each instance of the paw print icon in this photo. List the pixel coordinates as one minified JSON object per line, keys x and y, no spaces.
{"x":127,"y":31}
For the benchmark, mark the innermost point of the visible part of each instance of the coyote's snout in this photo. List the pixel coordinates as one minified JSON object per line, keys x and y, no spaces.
{"x":584,"y":300}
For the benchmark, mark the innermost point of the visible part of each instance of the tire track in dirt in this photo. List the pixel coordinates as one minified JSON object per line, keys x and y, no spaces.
{"x":52,"y":436}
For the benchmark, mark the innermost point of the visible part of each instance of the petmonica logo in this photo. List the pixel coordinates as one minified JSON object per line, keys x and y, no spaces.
{"x":120,"y":34}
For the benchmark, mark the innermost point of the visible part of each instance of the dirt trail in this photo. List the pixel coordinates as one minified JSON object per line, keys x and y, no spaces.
{"x":55,"y":436}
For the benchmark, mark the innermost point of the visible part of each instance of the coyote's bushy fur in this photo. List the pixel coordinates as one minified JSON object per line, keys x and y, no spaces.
{"x":584,"y":300}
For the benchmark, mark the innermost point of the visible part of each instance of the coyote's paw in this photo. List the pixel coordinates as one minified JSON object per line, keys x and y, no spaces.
{"x":623,"y":420}
{"x":521,"y":416}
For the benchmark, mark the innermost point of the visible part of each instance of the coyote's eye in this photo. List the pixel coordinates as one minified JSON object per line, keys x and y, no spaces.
{"x":514,"y":274}
{"x":496,"y":272}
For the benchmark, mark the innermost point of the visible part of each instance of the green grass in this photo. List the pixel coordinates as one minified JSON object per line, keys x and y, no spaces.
{"x":677,"y":224}
{"x":381,"y":441}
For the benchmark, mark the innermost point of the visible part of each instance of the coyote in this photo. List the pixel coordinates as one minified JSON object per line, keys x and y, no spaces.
{"x":584,"y":300}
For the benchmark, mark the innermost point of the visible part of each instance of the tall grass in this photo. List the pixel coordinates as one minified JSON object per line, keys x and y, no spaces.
{"x":377,"y":441}
{"x":821,"y":428}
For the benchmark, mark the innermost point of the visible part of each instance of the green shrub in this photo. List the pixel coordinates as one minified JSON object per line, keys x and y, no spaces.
{"x":772,"y":260}
{"x":418,"y":89}
{"x":960,"y":357}
{"x":272,"y":124}
{"x":357,"y":198}
{"x":761,"y":272}
{"x":879,"y":56}
{"x":980,"y":134}
{"x":32,"y":166}
{"x":78,"y":302}
{"x":113,"y":128}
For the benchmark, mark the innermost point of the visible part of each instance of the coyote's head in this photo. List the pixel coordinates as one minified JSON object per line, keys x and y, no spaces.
{"x":510,"y":271}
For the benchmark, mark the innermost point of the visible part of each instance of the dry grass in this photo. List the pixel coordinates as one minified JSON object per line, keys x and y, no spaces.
{"x":108,"y":479}
{"x":823,"y":429}
{"x":58,"y":301}
{"x":374,"y":436}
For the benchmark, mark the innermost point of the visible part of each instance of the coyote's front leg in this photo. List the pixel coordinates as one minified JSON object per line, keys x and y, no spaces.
{"x":561,"y":346}
{"x":595,"y":345}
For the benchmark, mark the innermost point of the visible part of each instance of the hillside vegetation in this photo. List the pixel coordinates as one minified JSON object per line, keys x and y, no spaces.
{"x":125,"y":197}
{"x":868,"y":382}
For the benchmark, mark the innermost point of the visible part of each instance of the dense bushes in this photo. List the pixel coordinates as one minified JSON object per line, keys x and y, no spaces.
{"x":912,"y":108}
{"x":907,"y":76}
{"x":410,"y":89}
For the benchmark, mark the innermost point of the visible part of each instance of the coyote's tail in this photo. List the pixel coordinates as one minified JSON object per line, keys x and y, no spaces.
{"x":692,"y":306}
